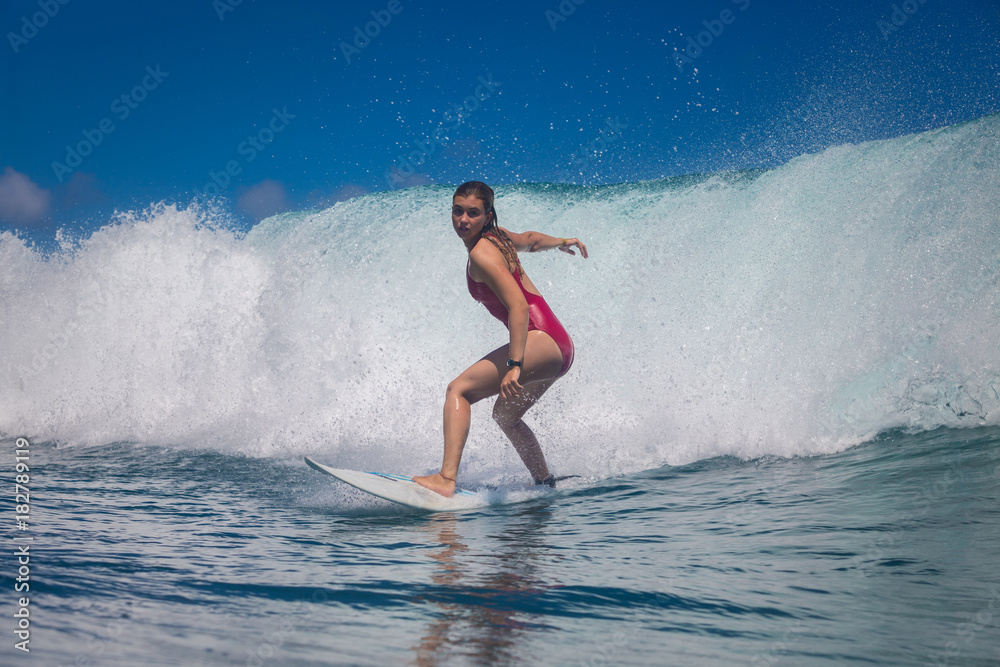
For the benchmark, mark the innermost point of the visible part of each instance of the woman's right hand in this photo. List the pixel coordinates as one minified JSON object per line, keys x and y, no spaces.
{"x":509,"y":386}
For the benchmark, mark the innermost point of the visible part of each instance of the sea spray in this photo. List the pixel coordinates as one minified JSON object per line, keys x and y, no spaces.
{"x":792,"y":311}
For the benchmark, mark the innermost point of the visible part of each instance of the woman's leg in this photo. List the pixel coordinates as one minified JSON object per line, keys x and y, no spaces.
{"x":507,"y":413}
{"x":542,"y":364}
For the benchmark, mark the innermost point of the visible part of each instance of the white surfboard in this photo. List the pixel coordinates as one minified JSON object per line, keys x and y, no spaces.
{"x":404,"y":490}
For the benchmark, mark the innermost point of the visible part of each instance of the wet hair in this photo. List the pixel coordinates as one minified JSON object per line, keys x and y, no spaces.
{"x":491,"y":231}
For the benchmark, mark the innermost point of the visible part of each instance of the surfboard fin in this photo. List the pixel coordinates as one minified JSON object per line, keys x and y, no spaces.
{"x":551,"y":480}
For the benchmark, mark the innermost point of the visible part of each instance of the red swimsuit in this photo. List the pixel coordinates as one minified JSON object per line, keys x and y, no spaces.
{"x":540,"y":316}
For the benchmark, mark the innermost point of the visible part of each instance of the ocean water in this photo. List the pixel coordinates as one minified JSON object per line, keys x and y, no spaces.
{"x":785,"y":412}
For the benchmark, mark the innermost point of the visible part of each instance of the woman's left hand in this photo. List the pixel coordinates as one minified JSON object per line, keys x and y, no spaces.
{"x":568,"y":245}
{"x":509,"y":386}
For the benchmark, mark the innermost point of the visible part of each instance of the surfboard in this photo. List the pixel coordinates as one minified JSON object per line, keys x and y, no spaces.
{"x":403,"y":490}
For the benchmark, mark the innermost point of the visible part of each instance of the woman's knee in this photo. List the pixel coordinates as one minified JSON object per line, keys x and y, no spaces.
{"x":456,"y":389}
{"x":460,"y":389}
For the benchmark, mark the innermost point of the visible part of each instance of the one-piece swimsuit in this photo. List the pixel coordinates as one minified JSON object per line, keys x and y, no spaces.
{"x":540,"y":316}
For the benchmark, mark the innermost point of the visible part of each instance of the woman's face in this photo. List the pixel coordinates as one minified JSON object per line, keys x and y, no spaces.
{"x":468,"y":216}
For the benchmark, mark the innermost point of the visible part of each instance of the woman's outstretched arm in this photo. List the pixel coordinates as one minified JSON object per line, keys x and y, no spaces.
{"x":537,"y":242}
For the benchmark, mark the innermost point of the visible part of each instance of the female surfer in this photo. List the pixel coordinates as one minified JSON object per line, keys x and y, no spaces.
{"x":540,"y":351}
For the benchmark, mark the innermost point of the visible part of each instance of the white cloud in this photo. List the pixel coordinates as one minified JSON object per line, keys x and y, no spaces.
{"x":264,"y":199}
{"x":21,"y":201}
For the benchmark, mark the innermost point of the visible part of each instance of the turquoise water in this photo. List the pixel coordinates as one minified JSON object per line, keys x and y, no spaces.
{"x":885,"y":554}
{"x":784,"y":413}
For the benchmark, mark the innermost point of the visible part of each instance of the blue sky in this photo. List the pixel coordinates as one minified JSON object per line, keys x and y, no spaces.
{"x":282,"y":106}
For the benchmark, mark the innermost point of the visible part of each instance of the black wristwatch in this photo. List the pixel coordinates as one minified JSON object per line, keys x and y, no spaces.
{"x":511,"y":363}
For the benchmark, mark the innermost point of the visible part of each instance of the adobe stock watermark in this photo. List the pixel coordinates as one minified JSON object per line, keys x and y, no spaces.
{"x":38,"y":20}
{"x":773,"y":653}
{"x":22,"y":500}
{"x":249,"y":148}
{"x":362,"y":38}
{"x":583,"y":155}
{"x":223,"y":7}
{"x":122,"y":107}
{"x":967,"y":631}
{"x":565,"y":10}
{"x":901,"y":13}
{"x":451,"y":119}
{"x":713,"y":30}
{"x":930,"y":494}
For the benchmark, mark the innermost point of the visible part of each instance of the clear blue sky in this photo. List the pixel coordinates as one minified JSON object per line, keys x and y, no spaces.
{"x":162,"y":95}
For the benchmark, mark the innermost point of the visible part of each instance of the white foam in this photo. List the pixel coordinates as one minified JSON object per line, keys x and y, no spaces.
{"x":793,"y":312}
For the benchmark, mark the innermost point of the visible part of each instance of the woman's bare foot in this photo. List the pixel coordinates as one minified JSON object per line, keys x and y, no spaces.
{"x":437,"y":483}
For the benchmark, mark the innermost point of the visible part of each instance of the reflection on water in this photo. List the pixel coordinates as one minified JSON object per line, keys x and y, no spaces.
{"x":482,"y":597}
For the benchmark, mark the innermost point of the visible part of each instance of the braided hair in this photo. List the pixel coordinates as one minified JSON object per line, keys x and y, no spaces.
{"x":492,"y":231}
